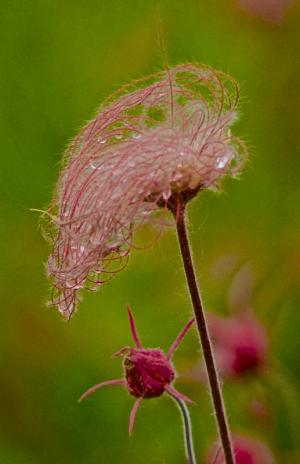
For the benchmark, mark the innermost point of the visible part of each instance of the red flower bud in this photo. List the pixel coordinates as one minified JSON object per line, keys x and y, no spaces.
{"x":148,"y":371}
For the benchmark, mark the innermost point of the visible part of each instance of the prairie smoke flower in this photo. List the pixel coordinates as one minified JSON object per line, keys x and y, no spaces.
{"x":240,"y":342}
{"x":246,"y":450}
{"x":164,"y":135}
{"x":148,"y":371}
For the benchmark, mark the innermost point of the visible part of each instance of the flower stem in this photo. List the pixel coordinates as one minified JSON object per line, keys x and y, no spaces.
{"x":188,"y":434}
{"x":213,"y":378}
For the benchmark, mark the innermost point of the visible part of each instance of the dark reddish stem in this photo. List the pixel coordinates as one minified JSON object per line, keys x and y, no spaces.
{"x":178,"y":209}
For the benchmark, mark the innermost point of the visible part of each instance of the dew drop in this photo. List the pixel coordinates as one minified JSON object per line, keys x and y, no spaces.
{"x":166,"y":193}
{"x":93,"y":166}
{"x":222,"y":163}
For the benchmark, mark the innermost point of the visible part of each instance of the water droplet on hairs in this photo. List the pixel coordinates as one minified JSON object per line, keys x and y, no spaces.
{"x":92,"y":165}
{"x":166,"y":193}
{"x":221,"y":162}
{"x":178,"y":174}
{"x":146,"y":213}
{"x":73,"y":285}
{"x":95,"y":241}
{"x":113,"y":244}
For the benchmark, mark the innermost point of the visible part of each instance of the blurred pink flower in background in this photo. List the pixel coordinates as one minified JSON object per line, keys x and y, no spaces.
{"x":270,"y":10}
{"x":148,"y":371}
{"x":162,"y":135}
{"x":247,"y":451}
{"x":240,"y":346}
{"x":240,"y":342}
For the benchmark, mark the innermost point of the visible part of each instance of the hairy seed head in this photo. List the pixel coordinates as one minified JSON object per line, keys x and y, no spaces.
{"x":160,"y":136}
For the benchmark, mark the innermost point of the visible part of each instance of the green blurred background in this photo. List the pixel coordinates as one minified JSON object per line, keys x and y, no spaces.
{"x":58,"y":61}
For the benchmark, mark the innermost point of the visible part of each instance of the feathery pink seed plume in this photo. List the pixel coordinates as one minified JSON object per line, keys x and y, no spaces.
{"x":163,"y":135}
{"x":148,"y":371}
